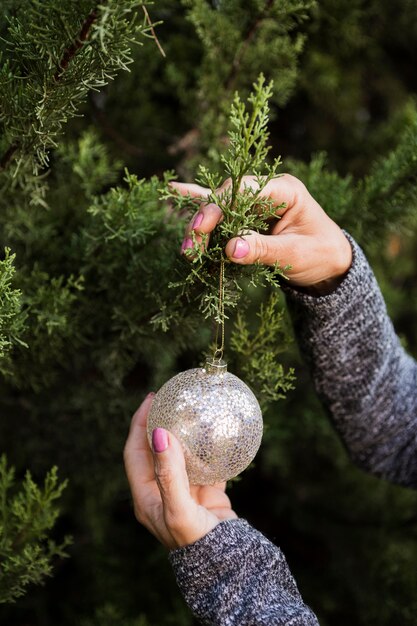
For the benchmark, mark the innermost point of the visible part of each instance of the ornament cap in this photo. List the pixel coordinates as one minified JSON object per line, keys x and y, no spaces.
{"x":215,"y":366}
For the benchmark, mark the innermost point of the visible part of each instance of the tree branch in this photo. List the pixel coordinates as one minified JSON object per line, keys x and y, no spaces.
{"x":75,"y":46}
{"x":66,"y":59}
{"x":191,"y":136}
{"x":148,"y":19}
{"x":234,"y":70}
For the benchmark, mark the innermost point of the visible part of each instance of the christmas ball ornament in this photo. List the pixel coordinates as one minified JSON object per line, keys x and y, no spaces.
{"x":215,"y":416}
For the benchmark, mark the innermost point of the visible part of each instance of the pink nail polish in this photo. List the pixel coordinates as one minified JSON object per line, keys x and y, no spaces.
{"x":241,"y":249}
{"x":159,"y":439}
{"x":197,"y":220}
{"x":186,"y":244}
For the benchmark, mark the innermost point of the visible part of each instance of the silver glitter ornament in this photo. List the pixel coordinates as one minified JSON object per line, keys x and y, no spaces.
{"x":215,"y":416}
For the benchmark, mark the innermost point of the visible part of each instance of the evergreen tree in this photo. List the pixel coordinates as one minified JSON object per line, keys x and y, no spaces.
{"x":26,"y":517}
{"x":89,"y":322}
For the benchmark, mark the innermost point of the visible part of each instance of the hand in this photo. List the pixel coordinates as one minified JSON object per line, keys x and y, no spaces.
{"x":175,"y":512}
{"x":304,"y":237}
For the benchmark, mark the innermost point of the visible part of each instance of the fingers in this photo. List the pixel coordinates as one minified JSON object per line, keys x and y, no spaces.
{"x":137,"y":455}
{"x":185,"y":520}
{"x":285,"y":189}
{"x":267,"y":249}
{"x":206,"y":219}
{"x":286,"y":192}
{"x":170,"y":469}
{"x":191,"y":189}
{"x":160,"y":486}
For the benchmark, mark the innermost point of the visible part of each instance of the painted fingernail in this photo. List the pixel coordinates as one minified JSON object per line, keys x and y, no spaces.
{"x":197,"y":220}
{"x":159,"y":439}
{"x":241,"y":249}
{"x":151,"y":394}
{"x":186,"y":244}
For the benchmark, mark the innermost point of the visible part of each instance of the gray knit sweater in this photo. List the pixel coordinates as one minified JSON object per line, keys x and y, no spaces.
{"x":234,"y":576}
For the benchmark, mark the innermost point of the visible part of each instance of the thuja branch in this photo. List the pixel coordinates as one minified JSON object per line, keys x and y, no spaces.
{"x":40,"y":102}
{"x":66,"y":59}
{"x":243,"y":208}
{"x":237,"y":61}
{"x":77,"y":44}
{"x":151,"y":27}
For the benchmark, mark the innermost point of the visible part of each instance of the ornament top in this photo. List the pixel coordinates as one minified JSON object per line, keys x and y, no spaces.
{"x":215,"y":366}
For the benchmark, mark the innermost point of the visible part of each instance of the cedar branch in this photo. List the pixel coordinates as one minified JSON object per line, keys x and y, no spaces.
{"x":148,"y":19}
{"x":234,"y":70}
{"x":66,"y":59}
{"x":75,"y":46}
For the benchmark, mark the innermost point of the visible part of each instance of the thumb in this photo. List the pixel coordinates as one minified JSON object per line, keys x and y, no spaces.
{"x":172,"y":479}
{"x":253,"y":247}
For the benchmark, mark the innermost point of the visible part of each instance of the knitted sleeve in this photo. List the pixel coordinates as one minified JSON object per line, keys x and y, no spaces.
{"x":363,"y":376}
{"x":234,"y":576}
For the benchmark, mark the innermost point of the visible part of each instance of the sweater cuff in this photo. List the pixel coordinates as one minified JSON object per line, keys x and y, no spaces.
{"x":220,"y":544}
{"x":236,"y":576}
{"x":233,"y":551}
{"x":228,"y":555}
{"x":358,"y":282}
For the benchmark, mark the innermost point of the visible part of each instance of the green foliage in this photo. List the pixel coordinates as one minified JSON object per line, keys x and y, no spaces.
{"x":193,"y":88}
{"x":95,"y":252}
{"x":89,"y":161}
{"x":128,"y":228}
{"x":49,"y":305}
{"x":26,"y":517}
{"x":12,"y":319}
{"x":244,"y":35}
{"x":258,"y":352}
{"x":246,"y":154}
{"x":343,"y":106}
{"x":390,"y":186}
{"x":49,"y":60}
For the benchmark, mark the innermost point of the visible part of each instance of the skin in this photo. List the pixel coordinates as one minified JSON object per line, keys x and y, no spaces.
{"x":175,"y":512}
{"x":304,"y":237}
{"x":320,"y":255}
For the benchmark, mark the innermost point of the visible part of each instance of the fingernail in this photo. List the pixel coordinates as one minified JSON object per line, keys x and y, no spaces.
{"x":197,"y":220}
{"x":186,"y":244}
{"x":241,"y":249}
{"x":151,"y":394}
{"x":159,"y":439}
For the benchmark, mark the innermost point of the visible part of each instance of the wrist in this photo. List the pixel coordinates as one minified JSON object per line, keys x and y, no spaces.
{"x":187,"y":534}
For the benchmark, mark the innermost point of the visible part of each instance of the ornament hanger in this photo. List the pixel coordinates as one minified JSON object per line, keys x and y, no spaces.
{"x":218,"y":353}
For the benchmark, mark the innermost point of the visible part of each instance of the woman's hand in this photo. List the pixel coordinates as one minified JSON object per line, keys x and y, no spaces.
{"x":304,"y":237}
{"x":175,"y":512}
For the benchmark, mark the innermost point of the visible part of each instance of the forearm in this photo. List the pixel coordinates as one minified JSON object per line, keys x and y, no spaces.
{"x":362,"y":374}
{"x":234,"y":576}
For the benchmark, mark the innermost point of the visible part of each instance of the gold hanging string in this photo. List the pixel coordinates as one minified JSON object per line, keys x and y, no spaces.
{"x":218,"y":354}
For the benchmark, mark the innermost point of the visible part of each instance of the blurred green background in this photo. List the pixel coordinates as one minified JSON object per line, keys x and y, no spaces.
{"x":345,"y":83}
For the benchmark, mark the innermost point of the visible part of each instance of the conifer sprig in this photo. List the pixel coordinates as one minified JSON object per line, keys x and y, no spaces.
{"x":244,"y":209}
{"x":258,"y":351}
{"x":12,"y":318}
{"x":50,"y":59}
{"x":27,"y":514}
